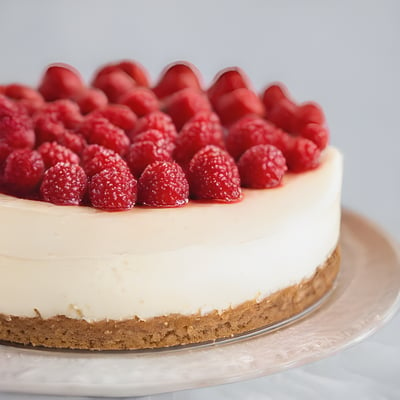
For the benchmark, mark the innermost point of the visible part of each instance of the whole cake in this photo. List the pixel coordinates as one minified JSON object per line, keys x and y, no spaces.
{"x":228,"y":208}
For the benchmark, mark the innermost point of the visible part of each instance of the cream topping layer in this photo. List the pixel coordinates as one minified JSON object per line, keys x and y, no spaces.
{"x":146,"y":262}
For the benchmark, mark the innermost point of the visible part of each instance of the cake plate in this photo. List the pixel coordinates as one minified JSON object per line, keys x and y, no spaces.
{"x":366,"y":295}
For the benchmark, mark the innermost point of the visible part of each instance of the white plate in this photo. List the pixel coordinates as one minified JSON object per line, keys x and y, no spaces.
{"x":366,"y":296}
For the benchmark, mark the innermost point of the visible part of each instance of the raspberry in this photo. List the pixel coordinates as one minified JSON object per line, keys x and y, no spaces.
{"x":96,"y":158}
{"x":196,"y":134}
{"x":47,"y":128}
{"x":52,"y":121}
{"x":163,"y":184}
{"x":155,"y":120}
{"x":159,"y":138}
{"x":237,"y":104}
{"x":53,"y":153}
{"x":227,"y":81}
{"x":65,"y":111}
{"x":317,"y":134}
{"x":113,"y":190}
{"x":247,"y":132}
{"x":114,"y":84}
{"x":140,"y":100}
{"x":141,"y":154}
{"x":91,"y":99}
{"x":303,"y":155}
{"x":119,"y":115}
{"x":307,"y":113}
{"x":16,"y":130}
{"x":23,"y":170}
{"x":60,"y":81}
{"x":183,"y":105}
{"x":262,"y":166}
{"x":29,"y":98}
{"x":273,"y":94}
{"x":283,"y":114}
{"x":72,"y":141}
{"x":135,"y":70}
{"x":98,"y":130}
{"x":176,"y":77}
{"x":64,"y":184}
{"x":213,"y":175}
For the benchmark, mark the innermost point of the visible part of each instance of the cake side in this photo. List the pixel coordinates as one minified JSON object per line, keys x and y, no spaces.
{"x":175,"y":329}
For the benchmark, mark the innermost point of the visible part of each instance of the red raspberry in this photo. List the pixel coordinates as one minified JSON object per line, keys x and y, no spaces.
{"x":196,"y":134}
{"x":303,"y":155}
{"x":140,"y":100}
{"x":317,"y":134}
{"x":64,"y":184}
{"x":16,"y":131}
{"x":113,"y":190}
{"x":135,"y":70}
{"x":262,"y":166}
{"x":54,"y":118}
{"x":114,"y":84}
{"x":141,"y":154}
{"x":163,"y":184}
{"x":119,"y":115}
{"x":53,"y":153}
{"x":2,"y":89}
{"x":273,"y":94}
{"x":248,"y":132}
{"x":23,"y":171}
{"x":91,"y":99}
{"x":213,"y":175}
{"x":155,"y":120}
{"x":72,"y":141}
{"x":96,"y":158}
{"x":60,"y":81}
{"x":47,"y":128}
{"x":175,"y":77}
{"x":308,"y":113}
{"x":183,"y":105}
{"x":283,"y":114}
{"x":225,"y":82}
{"x":29,"y":98}
{"x":65,"y":111}
{"x":237,"y":104}
{"x":159,"y":138}
{"x":98,"y":130}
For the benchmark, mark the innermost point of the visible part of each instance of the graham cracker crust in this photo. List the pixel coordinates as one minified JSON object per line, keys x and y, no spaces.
{"x":174,"y":329}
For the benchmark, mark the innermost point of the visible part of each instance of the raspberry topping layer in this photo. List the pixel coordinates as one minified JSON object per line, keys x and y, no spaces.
{"x":119,"y":140}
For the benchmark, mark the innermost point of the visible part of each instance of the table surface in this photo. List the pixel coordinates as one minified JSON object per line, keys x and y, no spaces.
{"x":344,"y":55}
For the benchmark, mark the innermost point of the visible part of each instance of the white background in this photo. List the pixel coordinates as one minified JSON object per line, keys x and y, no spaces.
{"x":343,"y":54}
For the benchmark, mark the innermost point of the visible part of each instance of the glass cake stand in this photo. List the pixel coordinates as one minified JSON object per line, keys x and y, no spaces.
{"x":366,"y":295}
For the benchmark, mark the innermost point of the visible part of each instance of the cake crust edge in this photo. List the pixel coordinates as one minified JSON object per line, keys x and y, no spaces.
{"x":165,"y":331}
